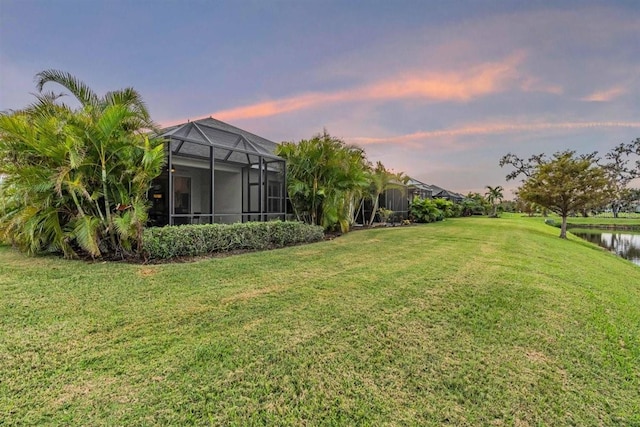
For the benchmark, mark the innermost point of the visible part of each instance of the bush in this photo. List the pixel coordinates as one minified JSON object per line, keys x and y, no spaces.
{"x":191,"y":240}
{"x":425,"y":210}
{"x":552,"y":223}
{"x":430,"y":210}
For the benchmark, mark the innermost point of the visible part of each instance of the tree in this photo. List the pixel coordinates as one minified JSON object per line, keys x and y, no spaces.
{"x":621,"y":172}
{"x":521,"y":166}
{"x":382,"y":180}
{"x":325,"y":177}
{"x":565,"y":183}
{"x":633,"y":149}
{"x":475,"y":204}
{"x":494,"y":196}
{"x":77,"y":178}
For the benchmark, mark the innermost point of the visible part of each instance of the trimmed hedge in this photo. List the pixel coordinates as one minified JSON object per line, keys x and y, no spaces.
{"x":191,"y":240}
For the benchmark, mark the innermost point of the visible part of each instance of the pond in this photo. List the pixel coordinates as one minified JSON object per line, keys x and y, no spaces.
{"x":625,"y":244}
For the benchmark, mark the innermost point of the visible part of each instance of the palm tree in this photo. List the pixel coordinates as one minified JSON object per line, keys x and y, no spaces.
{"x":494,"y":194}
{"x":33,"y":150}
{"x":325,"y":177}
{"x":382,"y":180}
{"x":86,"y":170}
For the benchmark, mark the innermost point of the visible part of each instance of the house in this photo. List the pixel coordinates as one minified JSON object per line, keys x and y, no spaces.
{"x":393,"y":198}
{"x":217,"y":173}
{"x":441,"y":193}
{"x":419,"y":189}
{"x":429,"y":191}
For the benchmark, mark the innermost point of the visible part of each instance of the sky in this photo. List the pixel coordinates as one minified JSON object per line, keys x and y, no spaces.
{"x":439,"y":90}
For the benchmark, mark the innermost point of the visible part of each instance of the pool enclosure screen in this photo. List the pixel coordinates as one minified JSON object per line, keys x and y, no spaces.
{"x":217,"y":173}
{"x":394,"y":199}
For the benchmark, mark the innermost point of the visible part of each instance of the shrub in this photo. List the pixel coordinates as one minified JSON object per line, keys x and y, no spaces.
{"x":552,"y":223}
{"x":447,"y":207}
{"x":191,"y":240}
{"x":425,"y":210}
{"x":76,"y":180}
{"x":430,"y":210}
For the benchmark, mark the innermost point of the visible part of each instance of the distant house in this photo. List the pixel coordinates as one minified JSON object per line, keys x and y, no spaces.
{"x":393,"y":199}
{"x":429,"y":191}
{"x":441,"y":193}
{"x":419,"y":189}
{"x":217,"y":173}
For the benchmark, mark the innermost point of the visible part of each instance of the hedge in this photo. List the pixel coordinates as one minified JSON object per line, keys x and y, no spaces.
{"x":192,"y":240}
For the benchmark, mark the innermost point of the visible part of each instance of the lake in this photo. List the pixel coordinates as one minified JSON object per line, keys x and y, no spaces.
{"x":625,"y":244}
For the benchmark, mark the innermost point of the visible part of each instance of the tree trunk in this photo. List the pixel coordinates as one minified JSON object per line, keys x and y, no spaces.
{"x":374,"y":209}
{"x":563,"y":227}
{"x":107,"y":208}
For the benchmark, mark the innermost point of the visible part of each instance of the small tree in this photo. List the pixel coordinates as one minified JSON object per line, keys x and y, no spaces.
{"x":494,"y":196}
{"x":565,"y":183}
{"x":381,"y":180}
{"x":385,"y":214}
{"x":325,"y":177}
{"x":475,"y":204}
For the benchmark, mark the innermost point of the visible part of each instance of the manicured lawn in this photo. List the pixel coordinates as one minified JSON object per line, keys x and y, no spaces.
{"x":467,"y":322}
{"x":604,"y":221}
{"x":628,"y":220}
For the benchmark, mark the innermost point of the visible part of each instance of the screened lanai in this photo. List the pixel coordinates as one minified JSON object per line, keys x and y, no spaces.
{"x":217,"y":173}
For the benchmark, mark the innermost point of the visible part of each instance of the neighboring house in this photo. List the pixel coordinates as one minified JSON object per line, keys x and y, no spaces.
{"x":441,"y":193}
{"x":430,"y":191}
{"x":393,"y":199}
{"x":419,"y":189}
{"x":216,"y":172}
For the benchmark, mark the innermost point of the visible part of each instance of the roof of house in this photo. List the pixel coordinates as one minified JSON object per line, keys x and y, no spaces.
{"x":441,"y":192}
{"x":414,"y":183}
{"x":450,"y":195}
{"x":222,"y":136}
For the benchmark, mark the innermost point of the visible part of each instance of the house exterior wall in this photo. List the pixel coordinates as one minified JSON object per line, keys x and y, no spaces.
{"x":228,"y":196}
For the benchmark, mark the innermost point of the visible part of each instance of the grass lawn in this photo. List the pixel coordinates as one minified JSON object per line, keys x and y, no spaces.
{"x":472,"y":321}
{"x":630,"y":220}
{"x":603,"y":221}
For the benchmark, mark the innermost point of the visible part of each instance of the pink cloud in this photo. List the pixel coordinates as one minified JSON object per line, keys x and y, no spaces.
{"x":458,"y":86}
{"x":488,"y":129}
{"x":605,"y":95}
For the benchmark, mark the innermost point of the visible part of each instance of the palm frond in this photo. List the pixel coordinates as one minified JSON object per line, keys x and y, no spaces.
{"x":86,"y":232}
{"x":80,"y":90}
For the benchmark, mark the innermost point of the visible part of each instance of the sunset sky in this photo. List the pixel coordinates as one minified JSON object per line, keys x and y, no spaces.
{"x":439,"y":90}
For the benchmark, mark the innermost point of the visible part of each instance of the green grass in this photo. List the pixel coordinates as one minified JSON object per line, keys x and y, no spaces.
{"x":467,"y":322}
{"x":628,"y":220}
{"x":604,"y":221}
{"x":599,"y":231}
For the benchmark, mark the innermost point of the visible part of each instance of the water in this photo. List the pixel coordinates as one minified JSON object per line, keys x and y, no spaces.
{"x":626,"y":245}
